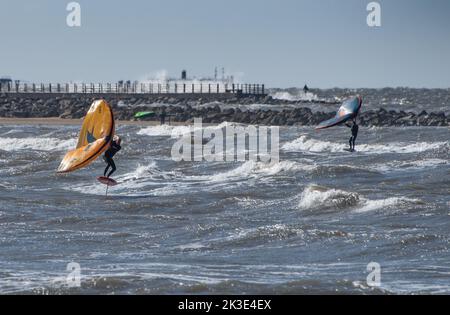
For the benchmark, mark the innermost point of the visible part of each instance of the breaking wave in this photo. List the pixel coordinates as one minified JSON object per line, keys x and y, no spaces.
{"x":388,"y":203}
{"x":252,"y":169}
{"x":39,"y":144}
{"x":164,"y":130}
{"x":320,"y":197}
{"x":316,"y":197}
{"x":304,"y":143}
{"x":177,"y":131}
{"x":410,"y":165}
{"x":149,"y":177}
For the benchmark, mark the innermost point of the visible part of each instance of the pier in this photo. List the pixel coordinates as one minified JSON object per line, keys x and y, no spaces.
{"x":219,"y":90}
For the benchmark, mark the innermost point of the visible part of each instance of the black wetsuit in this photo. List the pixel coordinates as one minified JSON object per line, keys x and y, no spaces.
{"x":352,"y":140}
{"x":109,"y":154}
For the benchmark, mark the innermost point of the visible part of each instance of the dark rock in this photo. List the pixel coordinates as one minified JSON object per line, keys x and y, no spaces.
{"x":75,"y":106}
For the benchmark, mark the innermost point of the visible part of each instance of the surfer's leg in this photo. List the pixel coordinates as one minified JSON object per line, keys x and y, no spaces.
{"x":113,"y":167}
{"x":108,"y":164}
{"x":106,"y":170}
{"x":354,"y":140}
{"x":350,"y":142}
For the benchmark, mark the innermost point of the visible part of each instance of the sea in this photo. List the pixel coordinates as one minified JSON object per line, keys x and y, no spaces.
{"x":319,"y":221}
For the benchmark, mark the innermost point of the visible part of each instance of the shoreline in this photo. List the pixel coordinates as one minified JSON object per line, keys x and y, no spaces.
{"x":56,"y":121}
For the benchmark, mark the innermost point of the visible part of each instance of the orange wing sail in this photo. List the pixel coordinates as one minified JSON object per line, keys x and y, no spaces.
{"x":95,"y":138}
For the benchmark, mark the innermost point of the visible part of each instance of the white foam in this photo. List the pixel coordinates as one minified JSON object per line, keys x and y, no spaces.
{"x":143,"y":176}
{"x":304,"y":143}
{"x":316,"y":197}
{"x":408,"y":165}
{"x":425,"y":163}
{"x":138,"y":183}
{"x":388,"y":203}
{"x":245,"y":171}
{"x":283,"y":167}
{"x":176,"y":131}
{"x":12,"y":131}
{"x":148,"y":177}
{"x":36,"y":143}
{"x":286,"y":96}
{"x":276,"y":231}
{"x":190,"y":246}
{"x":164,"y":130}
{"x":252,"y":169}
{"x":142,"y":171}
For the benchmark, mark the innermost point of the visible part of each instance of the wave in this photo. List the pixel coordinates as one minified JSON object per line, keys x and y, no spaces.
{"x":304,"y":143}
{"x":264,"y":233}
{"x":145,"y":175}
{"x":256,"y":236}
{"x":12,"y":131}
{"x":378,"y":168}
{"x":320,"y":197}
{"x":155,"y":278}
{"x":177,"y":131}
{"x":316,"y":197}
{"x":388,"y":203}
{"x":36,"y":143}
{"x":164,"y":130}
{"x":410,"y":165}
{"x":253,"y":169}
{"x":149,"y":177}
{"x":136,"y":183}
{"x":142,"y":171}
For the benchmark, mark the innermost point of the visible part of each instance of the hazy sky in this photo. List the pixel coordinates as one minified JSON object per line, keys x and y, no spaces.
{"x":281,"y":43}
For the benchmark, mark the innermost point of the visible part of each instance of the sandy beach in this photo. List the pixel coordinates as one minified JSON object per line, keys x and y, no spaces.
{"x":62,"y":122}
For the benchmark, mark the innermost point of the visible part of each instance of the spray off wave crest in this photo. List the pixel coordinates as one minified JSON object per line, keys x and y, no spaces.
{"x":286,"y":96}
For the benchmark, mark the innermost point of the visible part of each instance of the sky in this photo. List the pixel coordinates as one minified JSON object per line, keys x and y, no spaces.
{"x":281,"y":43}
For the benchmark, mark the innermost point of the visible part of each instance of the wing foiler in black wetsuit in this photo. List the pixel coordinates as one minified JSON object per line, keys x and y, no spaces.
{"x":352,"y":140}
{"x":108,"y":157}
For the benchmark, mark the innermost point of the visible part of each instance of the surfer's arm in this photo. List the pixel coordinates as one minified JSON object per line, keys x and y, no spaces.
{"x":116,"y":146}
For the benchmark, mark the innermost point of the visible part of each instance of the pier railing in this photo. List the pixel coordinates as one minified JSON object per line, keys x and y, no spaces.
{"x":134,"y":88}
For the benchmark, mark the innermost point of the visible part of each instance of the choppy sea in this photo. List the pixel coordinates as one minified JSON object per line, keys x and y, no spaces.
{"x":309,"y":224}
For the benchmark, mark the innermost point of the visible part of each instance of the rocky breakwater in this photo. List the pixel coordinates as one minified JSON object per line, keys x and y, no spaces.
{"x":304,"y":116}
{"x":185,"y":109}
